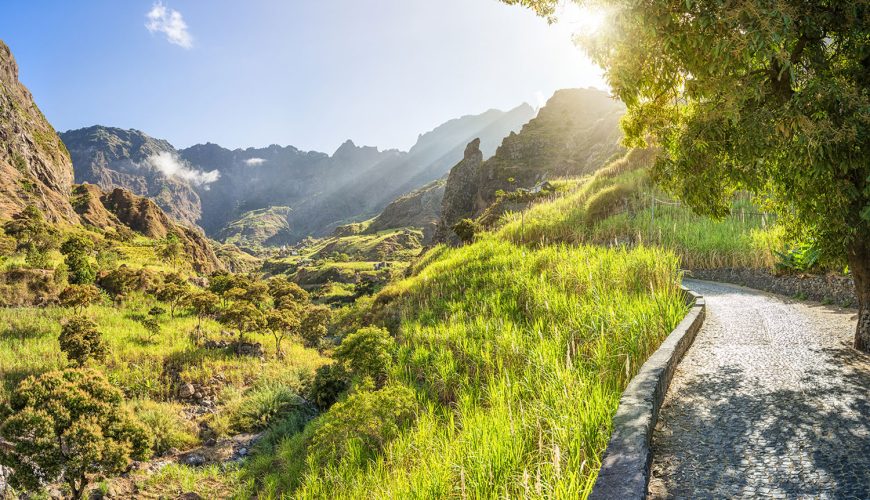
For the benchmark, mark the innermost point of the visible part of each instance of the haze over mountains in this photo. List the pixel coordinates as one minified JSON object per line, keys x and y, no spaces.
{"x":216,"y":188}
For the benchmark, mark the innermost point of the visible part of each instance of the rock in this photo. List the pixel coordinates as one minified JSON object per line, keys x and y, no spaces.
{"x":189,"y":496}
{"x":243,"y":452}
{"x":186,"y":391}
{"x":192,"y":459}
{"x":254,"y":349}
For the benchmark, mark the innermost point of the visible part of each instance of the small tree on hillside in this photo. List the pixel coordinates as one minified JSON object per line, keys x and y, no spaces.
{"x":465,"y":229}
{"x":34,"y":235}
{"x":173,"y":294}
{"x":203,"y":304}
{"x":152,"y":327}
{"x":81,"y":341}
{"x":367,"y":352}
{"x":77,"y":250}
{"x":68,"y":426}
{"x":172,"y":250}
{"x":314,"y":326}
{"x":282,"y":322}
{"x":78,"y":297}
{"x":244,"y":317}
{"x":283,"y":290}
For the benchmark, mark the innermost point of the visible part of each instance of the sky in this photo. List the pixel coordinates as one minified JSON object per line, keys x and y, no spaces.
{"x":308,"y":73}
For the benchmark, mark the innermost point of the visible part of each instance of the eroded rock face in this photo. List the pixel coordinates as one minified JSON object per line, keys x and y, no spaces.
{"x":35,"y":167}
{"x":418,"y":209}
{"x":460,"y":192}
{"x":576,"y":133}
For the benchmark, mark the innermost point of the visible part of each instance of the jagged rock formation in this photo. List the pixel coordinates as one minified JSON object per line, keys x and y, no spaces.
{"x":418,"y":209}
{"x":35,"y":167}
{"x":574,"y":134}
{"x":460,"y":191}
{"x":322,"y":191}
{"x":123,"y":212}
{"x":130,"y":159}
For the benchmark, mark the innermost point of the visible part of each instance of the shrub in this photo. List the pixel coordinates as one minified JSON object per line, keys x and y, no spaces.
{"x":76,"y":250}
{"x":367,"y":419}
{"x":79,"y":297}
{"x":261,"y":406}
{"x":68,"y":426}
{"x":314,"y":325}
{"x":330,"y":381}
{"x":367,"y":352}
{"x":465,"y":229}
{"x":81,"y":341}
{"x":166,"y":424}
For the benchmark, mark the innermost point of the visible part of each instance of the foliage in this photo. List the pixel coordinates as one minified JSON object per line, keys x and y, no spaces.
{"x":204,"y":304}
{"x":263,"y":405}
{"x":367,"y":352}
{"x":165,"y":424}
{"x":77,"y":250}
{"x":330,"y":381}
{"x":172,"y":250}
{"x":362,"y":424}
{"x":152,"y":327}
{"x":465,"y":229}
{"x":282,"y":322}
{"x":68,"y":426}
{"x":119,"y":282}
{"x":282,"y":290}
{"x":173,"y":294}
{"x":35,"y":236}
{"x":244,"y":317}
{"x":81,"y":341}
{"x":802,"y":258}
{"x":313,"y":327}
{"x":79,"y":297}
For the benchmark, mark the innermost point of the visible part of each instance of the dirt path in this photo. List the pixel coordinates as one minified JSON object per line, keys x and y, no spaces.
{"x":769,"y":402}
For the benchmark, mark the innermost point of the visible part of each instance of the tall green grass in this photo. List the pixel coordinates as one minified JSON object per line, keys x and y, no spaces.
{"x":517,"y":357}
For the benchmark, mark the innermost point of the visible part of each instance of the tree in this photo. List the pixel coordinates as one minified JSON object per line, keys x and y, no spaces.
{"x":465,"y":229}
{"x":152,"y":327}
{"x":283,"y":290}
{"x":118,"y":282}
{"x":367,"y":352}
{"x":203,"y":304}
{"x":244,"y":317}
{"x":772,"y":98}
{"x":173,"y":294}
{"x":34,"y":235}
{"x":81,"y":341}
{"x":282,"y":322}
{"x":77,"y":250}
{"x":68,"y":426}
{"x":78,"y":297}
{"x":314,"y":326}
{"x":171,"y":249}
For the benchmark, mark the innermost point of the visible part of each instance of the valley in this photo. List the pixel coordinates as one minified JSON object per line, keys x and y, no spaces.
{"x":458,"y":320}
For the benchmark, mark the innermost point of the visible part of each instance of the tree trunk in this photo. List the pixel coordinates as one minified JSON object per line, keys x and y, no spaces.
{"x":859,"y":264}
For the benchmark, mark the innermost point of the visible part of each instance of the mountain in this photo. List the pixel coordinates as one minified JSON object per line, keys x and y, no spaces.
{"x":574,"y":134}
{"x":35,"y":167}
{"x":420,"y":209}
{"x":227,"y":192}
{"x":145,"y":166}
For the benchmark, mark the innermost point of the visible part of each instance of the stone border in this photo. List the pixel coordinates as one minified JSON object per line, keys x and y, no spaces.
{"x":831,"y":288}
{"x":625,"y":467}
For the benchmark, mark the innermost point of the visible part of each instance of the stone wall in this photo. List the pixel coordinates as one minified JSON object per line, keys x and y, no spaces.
{"x":830,"y":288}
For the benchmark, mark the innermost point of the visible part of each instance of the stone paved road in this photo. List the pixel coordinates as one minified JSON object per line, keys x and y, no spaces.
{"x":769,"y":402}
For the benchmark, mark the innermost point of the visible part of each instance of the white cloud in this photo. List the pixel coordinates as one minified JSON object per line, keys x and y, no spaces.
{"x":253,"y":162}
{"x":170,"y":22}
{"x":170,"y":166}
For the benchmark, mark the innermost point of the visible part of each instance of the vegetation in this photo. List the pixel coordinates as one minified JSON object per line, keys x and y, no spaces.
{"x":68,"y":426}
{"x":770,"y":98}
{"x":81,"y":341}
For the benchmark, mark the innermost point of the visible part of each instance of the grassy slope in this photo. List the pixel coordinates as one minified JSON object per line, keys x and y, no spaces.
{"x":517,"y":356}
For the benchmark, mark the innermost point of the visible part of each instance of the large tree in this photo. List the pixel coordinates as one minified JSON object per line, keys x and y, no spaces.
{"x":769,"y":97}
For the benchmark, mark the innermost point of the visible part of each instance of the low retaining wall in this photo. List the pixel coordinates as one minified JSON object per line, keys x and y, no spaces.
{"x":831,"y":288}
{"x":624,"y":473}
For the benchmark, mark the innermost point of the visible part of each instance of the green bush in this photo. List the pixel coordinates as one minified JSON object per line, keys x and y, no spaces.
{"x":330,"y":381}
{"x":166,"y":424}
{"x":365,"y":422}
{"x":367,"y":352}
{"x":802,"y":257}
{"x":261,"y":406}
{"x":81,"y":341}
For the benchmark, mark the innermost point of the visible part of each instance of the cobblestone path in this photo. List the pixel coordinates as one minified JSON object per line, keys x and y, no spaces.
{"x":769,"y":402}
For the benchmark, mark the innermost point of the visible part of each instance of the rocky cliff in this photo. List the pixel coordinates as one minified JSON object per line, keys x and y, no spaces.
{"x":130,"y":159}
{"x":419,"y":209}
{"x":574,"y":134}
{"x":35,"y":167}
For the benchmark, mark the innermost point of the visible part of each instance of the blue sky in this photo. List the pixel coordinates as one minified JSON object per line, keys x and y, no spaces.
{"x":311,"y":73}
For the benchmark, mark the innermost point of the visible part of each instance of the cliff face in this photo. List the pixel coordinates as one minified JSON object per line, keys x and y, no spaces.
{"x":35,"y":167}
{"x":417,"y":209}
{"x":129,"y":159}
{"x":574,"y":134}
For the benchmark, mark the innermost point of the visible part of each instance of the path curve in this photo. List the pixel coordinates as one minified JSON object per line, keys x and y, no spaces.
{"x":769,"y":402}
